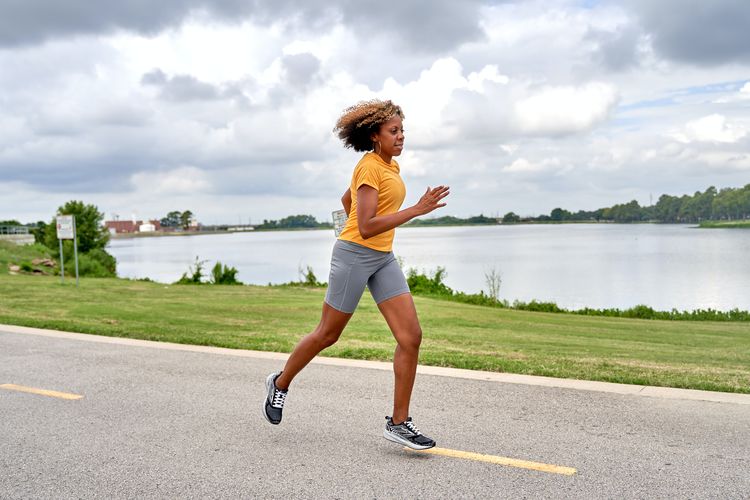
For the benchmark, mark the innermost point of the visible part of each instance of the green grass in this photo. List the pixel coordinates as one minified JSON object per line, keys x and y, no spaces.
{"x":698,"y":355}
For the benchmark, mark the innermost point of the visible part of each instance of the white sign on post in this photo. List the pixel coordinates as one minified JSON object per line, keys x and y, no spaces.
{"x":65,"y":229}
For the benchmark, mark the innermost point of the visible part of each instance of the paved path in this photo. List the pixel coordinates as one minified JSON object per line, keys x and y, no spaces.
{"x":159,"y":420}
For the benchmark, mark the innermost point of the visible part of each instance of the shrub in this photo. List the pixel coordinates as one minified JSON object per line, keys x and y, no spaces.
{"x":306,"y":278}
{"x":428,"y":285}
{"x":224,"y":275}
{"x":433,"y":285}
{"x":194,"y":276}
{"x":107,"y":261}
{"x":88,"y":265}
{"x":537,"y":306}
{"x":96,"y":263}
{"x":493,"y":280}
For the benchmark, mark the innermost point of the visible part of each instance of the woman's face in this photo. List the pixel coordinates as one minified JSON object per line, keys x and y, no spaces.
{"x":391,"y":137}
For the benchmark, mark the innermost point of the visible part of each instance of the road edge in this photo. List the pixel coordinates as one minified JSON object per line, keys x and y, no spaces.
{"x":506,"y":378}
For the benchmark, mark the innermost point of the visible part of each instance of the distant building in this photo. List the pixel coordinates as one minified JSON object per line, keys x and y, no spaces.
{"x":132,"y":226}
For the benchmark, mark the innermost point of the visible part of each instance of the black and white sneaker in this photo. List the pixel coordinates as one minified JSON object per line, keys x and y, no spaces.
{"x":406,"y":434}
{"x":274,"y":401}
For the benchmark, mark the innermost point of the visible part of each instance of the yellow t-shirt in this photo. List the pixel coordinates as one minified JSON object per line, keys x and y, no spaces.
{"x":374,"y":172}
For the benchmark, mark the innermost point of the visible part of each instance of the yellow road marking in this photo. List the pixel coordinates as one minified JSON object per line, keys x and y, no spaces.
{"x":41,"y":392}
{"x":493,"y":459}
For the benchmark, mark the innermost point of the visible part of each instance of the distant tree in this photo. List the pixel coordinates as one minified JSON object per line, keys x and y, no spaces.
{"x":626,"y":212}
{"x":731,"y":203}
{"x":40,"y":232}
{"x":291,"y":222}
{"x":667,"y":209}
{"x":698,"y":207}
{"x":173,"y":219}
{"x":89,"y":229}
{"x":446,"y":220}
{"x":185,"y":218}
{"x":559,"y":214}
{"x":298,"y":221}
{"x":10,"y":223}
{"x":511,"y":218}
{"x":481,"y":219}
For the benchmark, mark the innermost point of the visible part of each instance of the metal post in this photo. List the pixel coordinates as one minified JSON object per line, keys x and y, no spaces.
{"x":75,"y":252}
{"x":75,"y":246}
{"x":62,"y":263}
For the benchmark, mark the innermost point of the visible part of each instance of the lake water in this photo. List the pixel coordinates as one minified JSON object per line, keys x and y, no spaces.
{"x":574,"y":265}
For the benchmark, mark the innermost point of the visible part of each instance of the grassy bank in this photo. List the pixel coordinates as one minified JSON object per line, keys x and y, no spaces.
{"x":698,"y":355}
{"x":718,"y":224}
{"x":24,"y":256}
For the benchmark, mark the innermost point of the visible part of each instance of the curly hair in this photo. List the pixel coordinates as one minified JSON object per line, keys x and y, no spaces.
{"x":357,"y":124}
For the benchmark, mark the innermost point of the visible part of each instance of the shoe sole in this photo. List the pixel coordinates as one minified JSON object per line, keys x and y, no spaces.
{"x":399,"y":440}
{"x":269,"y":381}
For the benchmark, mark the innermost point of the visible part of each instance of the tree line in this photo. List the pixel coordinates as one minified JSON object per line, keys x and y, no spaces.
{"x":449,"y":220}
{"x":712,"y":204}
{"x":294,"y":222}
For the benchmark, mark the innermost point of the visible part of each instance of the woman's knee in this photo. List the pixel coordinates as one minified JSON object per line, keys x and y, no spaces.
{"x":411,"y":340}
{"x":326,"y":337}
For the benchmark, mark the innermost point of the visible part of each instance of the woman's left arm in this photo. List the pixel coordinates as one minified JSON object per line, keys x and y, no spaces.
{"x":370,"y":224}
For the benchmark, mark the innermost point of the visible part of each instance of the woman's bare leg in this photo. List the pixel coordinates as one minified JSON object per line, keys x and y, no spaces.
{"x":401,"y":316}
{"x":332,"y":323}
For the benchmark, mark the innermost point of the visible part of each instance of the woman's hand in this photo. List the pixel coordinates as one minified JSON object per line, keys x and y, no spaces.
{"x":430,"y":200}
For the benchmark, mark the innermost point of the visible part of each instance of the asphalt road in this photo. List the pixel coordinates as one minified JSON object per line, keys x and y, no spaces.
{"x":157,"y":422}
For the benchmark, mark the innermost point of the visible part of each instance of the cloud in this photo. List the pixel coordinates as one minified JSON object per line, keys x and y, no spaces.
{"x":725,"y":160}
{"x":436,"y":113}
{"x":185,"y":180}
{"x":706,"y":33}
{"x":34,"y":21}
{"x":300,"y":69}
{"x":180,"y":87}
{"x":711,"y":128}
{"x":742,"y":94}
{"x":524,"y":166}
{"x":442,"y":25}
{"x":617,"y":50}
{"x":565,"y":110}
{"x":227,"y":107}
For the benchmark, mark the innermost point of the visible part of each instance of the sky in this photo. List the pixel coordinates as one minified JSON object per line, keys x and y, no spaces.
{"x":226,"y":107}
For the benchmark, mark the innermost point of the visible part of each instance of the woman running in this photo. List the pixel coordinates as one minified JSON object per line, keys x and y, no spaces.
{"x":362,"y":257}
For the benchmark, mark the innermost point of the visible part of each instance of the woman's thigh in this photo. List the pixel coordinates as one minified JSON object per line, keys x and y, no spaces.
{"x":401,"y":315}
{"x":348,"y":277}
{"x":388,"y":281}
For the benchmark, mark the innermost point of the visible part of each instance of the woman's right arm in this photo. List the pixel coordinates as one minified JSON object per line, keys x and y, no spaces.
{"x":346,"y":200}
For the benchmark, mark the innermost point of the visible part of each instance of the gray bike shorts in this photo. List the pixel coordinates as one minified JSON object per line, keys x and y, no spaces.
{"x":353,"y":266}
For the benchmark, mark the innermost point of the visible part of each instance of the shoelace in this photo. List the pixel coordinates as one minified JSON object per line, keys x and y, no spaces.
{"x":278,"y":399}
{"x":410,"y":425}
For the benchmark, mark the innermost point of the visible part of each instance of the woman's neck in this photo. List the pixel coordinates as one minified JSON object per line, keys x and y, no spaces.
{"x":387,"y":159}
